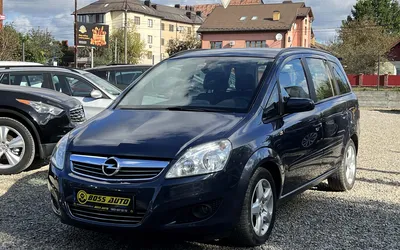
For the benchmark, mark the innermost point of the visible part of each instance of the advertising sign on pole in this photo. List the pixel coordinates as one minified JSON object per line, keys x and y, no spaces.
{"x":93,"y":35}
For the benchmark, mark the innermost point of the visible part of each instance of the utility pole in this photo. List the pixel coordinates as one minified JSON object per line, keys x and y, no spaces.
{"x":76,"y":34}
{"x":379,"y":71}
{"x":23,"y":50}
{"x":116,"y":50}
{"x":126,"y":32}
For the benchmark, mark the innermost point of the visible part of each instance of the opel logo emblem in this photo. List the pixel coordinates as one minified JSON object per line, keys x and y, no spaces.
{"x":110,"y":167}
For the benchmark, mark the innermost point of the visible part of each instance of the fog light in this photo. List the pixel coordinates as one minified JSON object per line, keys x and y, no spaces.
{"x":202,"y":211}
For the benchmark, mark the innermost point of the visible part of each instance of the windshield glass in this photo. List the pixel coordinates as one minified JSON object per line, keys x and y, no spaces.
{"x":204,"y":83}
{"x":103,"y":84}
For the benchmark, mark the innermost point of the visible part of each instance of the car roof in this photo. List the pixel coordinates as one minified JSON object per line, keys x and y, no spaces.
{"x":249,"y":52}
{"x":17,"y":63}
{"x":39,"y":69}
{"x":120,"y":66}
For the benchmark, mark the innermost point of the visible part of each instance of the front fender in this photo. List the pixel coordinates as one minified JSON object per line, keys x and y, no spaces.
{"x":262,"y":157}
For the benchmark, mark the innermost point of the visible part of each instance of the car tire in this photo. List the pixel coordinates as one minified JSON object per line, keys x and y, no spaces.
{"x":10,"y":128}
{"x":244,"y":233}
{"x":345,"y":177}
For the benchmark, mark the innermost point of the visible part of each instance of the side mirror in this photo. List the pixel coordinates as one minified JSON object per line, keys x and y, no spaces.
{"x":297,"y":105}
{"x":96,"y":94}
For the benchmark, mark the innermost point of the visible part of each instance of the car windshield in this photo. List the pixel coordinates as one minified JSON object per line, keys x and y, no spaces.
{"x":226,"y":84}
{"x":103,"y":84}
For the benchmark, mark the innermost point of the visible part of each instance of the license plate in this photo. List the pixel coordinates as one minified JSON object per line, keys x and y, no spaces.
{"x":84,"y":198}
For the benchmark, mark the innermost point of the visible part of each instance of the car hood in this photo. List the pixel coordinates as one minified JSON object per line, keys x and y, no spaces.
{"x":149,"y":133}
{"x":38,"y":94}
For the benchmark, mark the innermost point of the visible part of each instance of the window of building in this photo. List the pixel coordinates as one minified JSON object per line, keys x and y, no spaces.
{"x":216,"y":45}
{"x":162,"y":41}
{"x":254,"y":18}
{"x":95,"y":18}
{"x":189,"y":30}
{"x":256,"y":44}
{"x":137,"y":20}
{"x":321,"y":78}
{"x":181,"y":29}
{"x":171,"y":27}
{"x":162,"y":26}
{"x":150,"y":39}
{"x":292,"y":80}
{"x":149,"y":55}
{"x":305,"y":42}
{"x":150,"y":23}
{"x":243,"y":18}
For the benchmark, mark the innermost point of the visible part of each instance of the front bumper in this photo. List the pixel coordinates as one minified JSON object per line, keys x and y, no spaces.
{"x":160,"y":205}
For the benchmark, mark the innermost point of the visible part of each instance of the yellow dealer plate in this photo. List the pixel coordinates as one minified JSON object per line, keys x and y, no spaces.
{"x":83,"y":197}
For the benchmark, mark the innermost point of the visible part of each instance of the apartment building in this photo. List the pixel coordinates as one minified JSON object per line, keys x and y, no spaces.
{"x":156,"y":24}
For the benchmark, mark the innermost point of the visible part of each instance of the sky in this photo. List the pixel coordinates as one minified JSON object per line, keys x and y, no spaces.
{"x":55,"y":15}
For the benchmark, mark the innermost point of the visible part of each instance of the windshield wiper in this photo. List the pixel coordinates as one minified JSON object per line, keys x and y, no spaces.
{"x":195,"y":109}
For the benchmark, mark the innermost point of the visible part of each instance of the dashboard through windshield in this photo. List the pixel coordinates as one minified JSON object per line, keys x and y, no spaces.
{"x":203,"y":83}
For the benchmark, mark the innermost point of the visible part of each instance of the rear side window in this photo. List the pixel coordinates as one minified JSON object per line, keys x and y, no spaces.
{"x":27,"y":80}
{"x":341,"y":79}
{"x":321,"y":78}
{"x":127,"y":77}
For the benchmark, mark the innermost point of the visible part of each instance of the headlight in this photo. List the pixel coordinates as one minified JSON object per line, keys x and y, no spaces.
{"x":58,"y":156}
{"x":42,"y":108}
{"x":204,"y":159}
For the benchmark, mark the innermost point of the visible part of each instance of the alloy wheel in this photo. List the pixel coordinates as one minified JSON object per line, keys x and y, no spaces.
{"x":12,"y":147}
{"x":262,"y":207}
{"x":350,"y":162}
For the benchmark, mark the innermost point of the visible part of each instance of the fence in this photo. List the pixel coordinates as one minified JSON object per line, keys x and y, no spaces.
{"x":372,"y":80}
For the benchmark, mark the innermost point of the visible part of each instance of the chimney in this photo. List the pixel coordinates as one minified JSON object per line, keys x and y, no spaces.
{"x":147,"y":3}
{"x":191,"y":8}
{"x":276,"y":16}
{"x":198,"y":13}
{"x":178,"y":6}
{"x":154,"y":6}
{"x":191,"y":15}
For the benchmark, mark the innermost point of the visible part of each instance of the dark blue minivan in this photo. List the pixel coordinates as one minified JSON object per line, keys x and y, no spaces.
{"x":208,"y":142}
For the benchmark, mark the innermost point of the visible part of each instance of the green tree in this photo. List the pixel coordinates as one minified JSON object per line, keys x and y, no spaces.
{"x":385,"y":13}
{"x":41,"y":46}
{"x":175,"y":46}
{"x":10,"y":44}
{"x":360,"y":43}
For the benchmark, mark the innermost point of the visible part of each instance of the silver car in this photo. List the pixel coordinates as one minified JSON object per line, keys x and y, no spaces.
{"x":93,"y":92}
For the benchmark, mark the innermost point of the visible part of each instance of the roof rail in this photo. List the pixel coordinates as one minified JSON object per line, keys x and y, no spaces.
{"x":37,"y":66}
{"x":305,"y":49}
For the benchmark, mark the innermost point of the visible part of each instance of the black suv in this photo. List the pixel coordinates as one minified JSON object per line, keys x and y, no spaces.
{"x":213,"y":147}
{"x":32,"y":121}
{"x":120,"y":75}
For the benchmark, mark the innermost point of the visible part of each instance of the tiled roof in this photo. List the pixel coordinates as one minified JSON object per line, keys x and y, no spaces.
{"x":226,"y":20}
{"x":303,"y":12}
{"x":105,"y":6}
{"x":206,"y":9}
{"x":177,"y":14}
{"x":162,"y":11}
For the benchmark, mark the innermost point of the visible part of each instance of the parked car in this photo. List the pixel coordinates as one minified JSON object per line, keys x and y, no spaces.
{"x":94,"y":93}
{"x":32,"y":121}
{"x":120,"y":76}
{"x":168,"y":157}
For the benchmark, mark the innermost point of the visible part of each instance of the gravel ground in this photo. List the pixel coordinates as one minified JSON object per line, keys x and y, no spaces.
{"x":368,"y":217}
